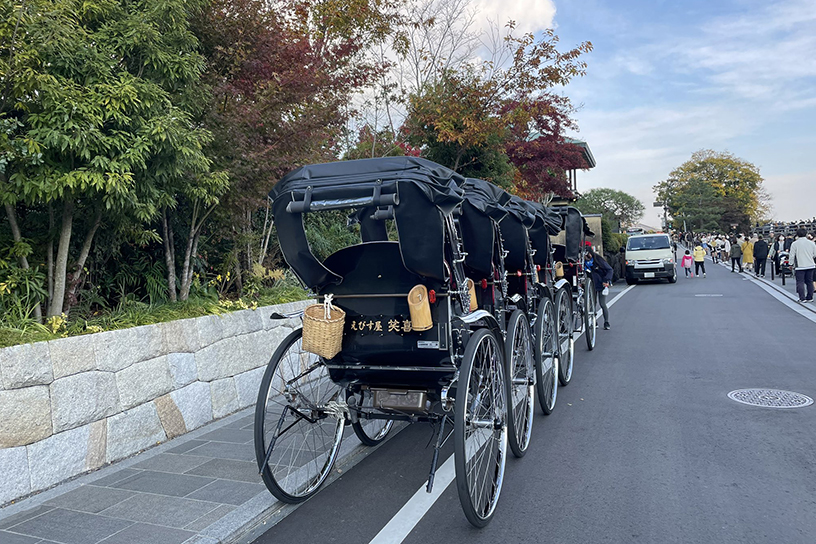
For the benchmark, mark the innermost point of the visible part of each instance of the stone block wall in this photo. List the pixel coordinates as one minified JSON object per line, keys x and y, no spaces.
{"x":71,"y":405}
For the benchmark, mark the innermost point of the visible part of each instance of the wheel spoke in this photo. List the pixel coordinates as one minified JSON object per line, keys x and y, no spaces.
{"x":303,"y":451}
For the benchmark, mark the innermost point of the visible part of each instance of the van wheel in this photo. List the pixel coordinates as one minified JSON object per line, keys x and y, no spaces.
{"x":631,"y":281}
{"x":673,"y":279}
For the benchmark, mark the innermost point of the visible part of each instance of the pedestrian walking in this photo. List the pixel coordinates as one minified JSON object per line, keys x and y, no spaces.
{"x":699,"y":260}
{"x":736,"y":255}
{"x":747,"y":253}
{"x":760,"y":256}
{"x":803,"y":258}
{"x":602,"y":279}
{"x":686,"y":264}
{"x":776,"y":249}
{"x":726,"y":249}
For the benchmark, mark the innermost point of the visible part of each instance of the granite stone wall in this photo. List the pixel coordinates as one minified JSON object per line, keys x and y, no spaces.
{"x":72,"y":405}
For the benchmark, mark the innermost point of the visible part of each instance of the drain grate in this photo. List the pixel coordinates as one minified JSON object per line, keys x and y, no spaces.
{"x":770,"y":398}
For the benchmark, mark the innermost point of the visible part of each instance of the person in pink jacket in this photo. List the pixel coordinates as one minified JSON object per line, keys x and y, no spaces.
{"x":685,"y":262}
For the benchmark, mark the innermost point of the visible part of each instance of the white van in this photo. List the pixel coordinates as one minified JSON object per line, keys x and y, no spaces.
{"x":649,"y":256}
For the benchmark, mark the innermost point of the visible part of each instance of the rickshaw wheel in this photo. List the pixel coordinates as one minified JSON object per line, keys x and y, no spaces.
{"x":371,"y":432}
{"x":566,"y":345}
{"x":299,"y":420}
{"x":520,"y":372}
{"x":590,"y":314}
{"x":480,"y":429}
{"x":546,"y":360}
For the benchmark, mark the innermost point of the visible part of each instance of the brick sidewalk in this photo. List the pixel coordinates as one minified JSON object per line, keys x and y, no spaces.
{"x":202,"y":488}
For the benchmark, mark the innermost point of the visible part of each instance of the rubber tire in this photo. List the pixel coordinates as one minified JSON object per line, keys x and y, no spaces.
{"x":519,"y":442}
{"x":565,"y":360}
{"x":460,"y":413}
{"x":365,"y":438}
{"x":590,"y":317}
{"x":673,"y":279}
{"x":260,"y":446}
{"x":545,"y":319}
{"x":631,"y":281}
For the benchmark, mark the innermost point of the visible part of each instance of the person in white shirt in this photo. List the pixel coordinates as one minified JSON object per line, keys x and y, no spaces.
{"x":803,"y":257}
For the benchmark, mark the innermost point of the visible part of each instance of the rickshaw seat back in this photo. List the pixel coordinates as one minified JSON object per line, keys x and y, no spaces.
{"x":559,"y":253}
{"x":514,"y":238}
{"x":478,"y":241}
{"x":378,"y":330}
{"x":370,"y":268}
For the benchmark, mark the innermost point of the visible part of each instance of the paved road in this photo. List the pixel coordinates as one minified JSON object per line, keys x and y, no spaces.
{"x":644,"y":445}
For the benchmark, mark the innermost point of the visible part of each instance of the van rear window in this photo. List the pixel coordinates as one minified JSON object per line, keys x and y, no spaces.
{"x":647,"y":242}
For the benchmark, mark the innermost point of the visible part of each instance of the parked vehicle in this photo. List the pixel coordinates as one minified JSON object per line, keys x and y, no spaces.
{"x":649,"y":257}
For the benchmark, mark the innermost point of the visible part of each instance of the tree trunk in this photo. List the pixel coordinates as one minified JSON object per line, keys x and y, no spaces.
{"x":248,"y":242}
{"x":169,"y":256}
{"x":61,"y":265}
{"x":17,"y":236}
{"x":239,"y":283}
{"x":50,"y":251}
{"x":265,"y":235}
{"x":78,"y":273}
{"x":186,"y":272}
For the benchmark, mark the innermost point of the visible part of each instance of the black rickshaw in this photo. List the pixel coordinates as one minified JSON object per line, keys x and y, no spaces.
{"x":583,"y":301}
{"x":486,"y":255}
{"x":386,"y":369}
{"x":554,"y":295}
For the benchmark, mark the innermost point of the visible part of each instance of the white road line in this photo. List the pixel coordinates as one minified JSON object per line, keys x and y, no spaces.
{"x":804,"y":312}
{"x":619,"y":295}
{"x":774,"y":291}
{"x":401,"y":525}
{"x":409,"y":515}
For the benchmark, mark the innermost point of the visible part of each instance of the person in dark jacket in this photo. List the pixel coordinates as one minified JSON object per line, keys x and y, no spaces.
{"x":602,"y":279}
{"x":760,"y":256}
{"x":736,"y":255}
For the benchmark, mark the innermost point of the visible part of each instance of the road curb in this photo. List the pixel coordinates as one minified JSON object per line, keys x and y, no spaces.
{"x":774,"y":286}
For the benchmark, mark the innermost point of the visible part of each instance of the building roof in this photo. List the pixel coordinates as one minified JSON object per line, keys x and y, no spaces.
{"x":588,"y":157}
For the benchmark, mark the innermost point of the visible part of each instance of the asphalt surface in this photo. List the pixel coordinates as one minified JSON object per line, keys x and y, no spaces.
{"x":644,"y":444}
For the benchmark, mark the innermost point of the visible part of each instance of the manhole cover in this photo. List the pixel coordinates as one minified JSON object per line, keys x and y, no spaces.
{"x":770,"y":398}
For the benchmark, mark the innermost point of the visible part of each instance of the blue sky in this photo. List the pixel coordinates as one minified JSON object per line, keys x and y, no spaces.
{"x":669,"y":78}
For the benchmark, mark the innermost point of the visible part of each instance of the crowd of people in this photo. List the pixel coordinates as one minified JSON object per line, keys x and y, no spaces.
{"x":751,"y":252}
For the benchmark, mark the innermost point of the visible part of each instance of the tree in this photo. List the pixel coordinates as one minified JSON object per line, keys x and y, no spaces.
{"x":465,"y":117}
{"x":617,"y":207}
{"x":282,"y":77}
{"x":102,"y":96}
{"x":537,"y":147}
{"x":715,"y":185}
{"x":699,"y":207}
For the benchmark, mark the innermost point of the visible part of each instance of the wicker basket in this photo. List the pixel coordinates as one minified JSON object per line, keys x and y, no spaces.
{"x":323,"y":329}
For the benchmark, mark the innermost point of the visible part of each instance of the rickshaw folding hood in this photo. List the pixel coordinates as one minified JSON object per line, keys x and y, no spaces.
{"x":548,"y":222}
{"x":576,"y":228}
{"x":426,"y":192}
{"x":481,"y":213}
{"x":548,"y":219}
{"x":520,"y":209}
{"x":485,"y":197}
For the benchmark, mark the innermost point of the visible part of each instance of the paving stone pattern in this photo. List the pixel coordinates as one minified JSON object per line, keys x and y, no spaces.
{"x":155,"y":500}
{"x":73,"y":405}
{"x":200,"y":488}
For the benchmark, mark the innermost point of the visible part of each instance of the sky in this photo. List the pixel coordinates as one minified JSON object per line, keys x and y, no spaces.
{"x":666,"y":79}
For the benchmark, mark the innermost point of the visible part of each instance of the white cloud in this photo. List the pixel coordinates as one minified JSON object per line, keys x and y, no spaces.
{"x":792,"y":195}
{"x":638,"y":147}
{"x":529,"y":15}
{"x":742,"y":82}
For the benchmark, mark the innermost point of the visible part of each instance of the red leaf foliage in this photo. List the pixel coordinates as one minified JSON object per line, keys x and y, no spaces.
{"x":538,"y":148}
